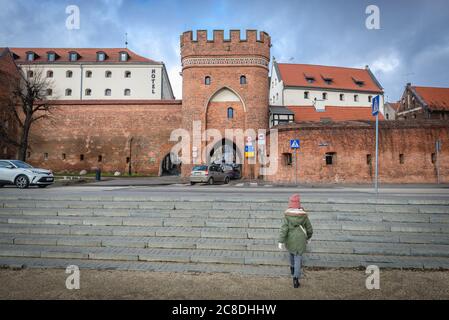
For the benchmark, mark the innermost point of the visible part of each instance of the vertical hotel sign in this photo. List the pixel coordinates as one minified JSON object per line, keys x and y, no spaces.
{"x":153,"y":81}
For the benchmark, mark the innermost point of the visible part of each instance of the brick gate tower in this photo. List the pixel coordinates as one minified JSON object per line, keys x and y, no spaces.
{"x":225,"y":86}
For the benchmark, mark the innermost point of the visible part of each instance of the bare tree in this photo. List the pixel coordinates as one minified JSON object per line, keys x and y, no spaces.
{"x":26,"y":104}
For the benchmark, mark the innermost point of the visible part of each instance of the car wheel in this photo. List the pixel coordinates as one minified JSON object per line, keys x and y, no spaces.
{"x":22,"y":182}
{"x":2,"y":185}
{"x":192,"y":183}
{"x":42,"y":186}
{"x":226,"y":180}
{"x":211,"y":181}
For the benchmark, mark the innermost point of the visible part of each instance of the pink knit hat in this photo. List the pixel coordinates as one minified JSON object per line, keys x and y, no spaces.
{"x":294,"y":202}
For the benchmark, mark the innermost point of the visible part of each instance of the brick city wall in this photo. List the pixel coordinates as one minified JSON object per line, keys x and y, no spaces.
{"x":353,"y":143}
{"x":105,"y":129}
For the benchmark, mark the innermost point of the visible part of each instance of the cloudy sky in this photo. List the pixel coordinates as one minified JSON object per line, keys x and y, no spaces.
{"x":412,"y":44}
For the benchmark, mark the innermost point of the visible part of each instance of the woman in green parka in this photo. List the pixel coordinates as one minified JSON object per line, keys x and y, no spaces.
{"x":296,"y":231}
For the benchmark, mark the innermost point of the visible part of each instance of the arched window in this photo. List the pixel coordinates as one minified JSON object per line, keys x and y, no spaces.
{"x":306,"y":95}
{"x":370,"y":98}
{"x":242,"y":79}
{"x":88,"y":92}
{"x":68,"y":92}
{"x":324,"y":96}
{"x":342,"y":97}
{"x":127,"y":74}
{"x":230,"y":113}
{"x":88,"y":74}
{"x":127,"y":92}
{"x":49,"y":92}
{"x":108,"y":74}
{"x":30,"y":74}
{"x":49,"y":74}
{"x":108,"y":92}
{"x":69,"y":74}
{"x":356,"y":97}
{"x":207,"y":81}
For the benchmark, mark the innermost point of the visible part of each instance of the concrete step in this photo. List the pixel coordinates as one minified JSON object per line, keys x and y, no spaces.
{"x":270,"y":216}
{"x":276,"y":258}
{"x":316,"y":246}
{"x":211,"y":228}
{"x":306,"y":199}
{"x":253,"y":266}
{"x":225,"y":206}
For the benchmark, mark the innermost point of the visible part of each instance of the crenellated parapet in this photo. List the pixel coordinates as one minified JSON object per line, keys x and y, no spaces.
{"x":253,"y":49}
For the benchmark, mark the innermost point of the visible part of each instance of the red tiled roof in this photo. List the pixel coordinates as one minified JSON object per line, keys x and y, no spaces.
{"x":85,"y":55}
{"x":435,"y":98}
{"x":294,"y":75}
{"x":336,"y":114}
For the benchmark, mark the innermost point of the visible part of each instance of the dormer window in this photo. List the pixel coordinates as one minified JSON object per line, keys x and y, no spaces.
{"x":359,"y":82}
{"x":328,"y":80}
{"x":101,"y":56}
{"x":124,"y":56}
{"x":73,"y":56}
{"x":309,"y":78}
{"x":30,"y":56}
{"x":51,"y":56}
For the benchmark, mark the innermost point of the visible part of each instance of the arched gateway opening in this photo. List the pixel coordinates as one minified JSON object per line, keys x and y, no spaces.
{"x":168,"y":167}
{"x":227,"y":153}
{"x":224,"y":110}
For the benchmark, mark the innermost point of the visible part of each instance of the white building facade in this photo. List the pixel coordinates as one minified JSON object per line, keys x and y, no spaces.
{"x":96,"y":74}
{"x":320,"y":87}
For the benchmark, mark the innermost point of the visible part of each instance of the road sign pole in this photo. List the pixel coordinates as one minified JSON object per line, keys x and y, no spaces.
{"x":437,"y":147}
{"x":376,"y":186}
{"x":296,"y":167}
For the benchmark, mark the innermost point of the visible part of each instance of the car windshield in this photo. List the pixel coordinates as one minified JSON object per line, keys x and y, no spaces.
{"x":200,"y":168}
{"x":21,"y":164}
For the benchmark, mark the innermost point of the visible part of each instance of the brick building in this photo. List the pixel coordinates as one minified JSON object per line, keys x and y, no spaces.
{"x":9,"y":74}
{"x":226,"y":86}
{"x":424,"y":103}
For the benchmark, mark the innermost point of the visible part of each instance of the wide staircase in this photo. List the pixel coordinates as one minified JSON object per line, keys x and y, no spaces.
{"x":210,"y":236}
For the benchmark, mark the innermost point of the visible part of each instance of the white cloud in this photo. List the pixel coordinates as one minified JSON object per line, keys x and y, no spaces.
{"x":386,"y":63}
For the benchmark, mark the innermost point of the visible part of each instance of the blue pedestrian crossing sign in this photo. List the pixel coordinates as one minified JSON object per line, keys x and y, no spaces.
{"x":375,"y":106}
{"x":295,"y":144}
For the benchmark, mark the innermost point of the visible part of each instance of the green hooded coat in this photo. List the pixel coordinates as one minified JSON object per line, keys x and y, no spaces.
{"x":292,"y":235}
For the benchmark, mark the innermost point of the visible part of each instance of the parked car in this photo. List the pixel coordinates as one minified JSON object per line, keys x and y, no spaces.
{"x":209,"y":174}
{"x":232,"y":170}
{"x":23,"y":175}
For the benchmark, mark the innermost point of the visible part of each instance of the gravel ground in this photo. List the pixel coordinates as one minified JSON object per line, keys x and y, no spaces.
{"x":317,"y":284}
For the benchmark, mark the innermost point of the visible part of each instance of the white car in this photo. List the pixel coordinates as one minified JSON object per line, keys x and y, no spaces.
{"x":23,"y":175}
